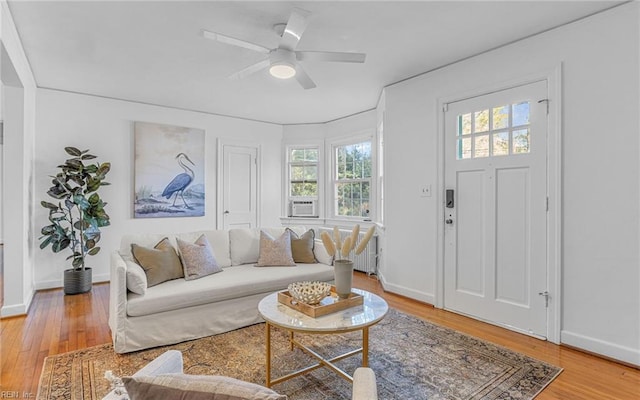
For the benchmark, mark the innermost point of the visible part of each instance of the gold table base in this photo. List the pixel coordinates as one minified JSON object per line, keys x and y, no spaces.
{"x":322,"y":362}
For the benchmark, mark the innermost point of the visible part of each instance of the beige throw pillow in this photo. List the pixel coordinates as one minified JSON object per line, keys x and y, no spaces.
{"x":302,"y":247}
{"x":275,"y":252}
{"x":161,"y":263}
{"x":197,"y":258}
{"x":195,"y":387}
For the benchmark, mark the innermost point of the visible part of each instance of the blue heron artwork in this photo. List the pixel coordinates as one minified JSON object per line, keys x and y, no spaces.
{"x":169,"y":171}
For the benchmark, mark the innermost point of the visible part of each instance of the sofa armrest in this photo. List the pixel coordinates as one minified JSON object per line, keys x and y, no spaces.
{"x":118,"y":300}
{"x":364,"y":385}
{"x":169,"y":362}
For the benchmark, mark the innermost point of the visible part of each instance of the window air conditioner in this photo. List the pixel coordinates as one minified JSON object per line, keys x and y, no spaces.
{"x":302,"y":208}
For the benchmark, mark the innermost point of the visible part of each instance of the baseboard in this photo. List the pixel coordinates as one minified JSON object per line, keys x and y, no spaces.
{"x":57,"y":283}
{"x":597,"y":346}
{"x":407,"y":292}
{"x":17,"y":309}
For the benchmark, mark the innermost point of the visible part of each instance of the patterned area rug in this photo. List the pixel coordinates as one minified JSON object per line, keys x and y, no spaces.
{"x":413,"y":359}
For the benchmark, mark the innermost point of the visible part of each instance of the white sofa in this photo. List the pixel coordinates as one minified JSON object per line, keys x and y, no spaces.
{"x":180,"y":310}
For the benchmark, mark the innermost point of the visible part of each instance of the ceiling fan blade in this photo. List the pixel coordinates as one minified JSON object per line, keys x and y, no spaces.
{"x":331,"y":56}
{"x":253,"y":68}
{"x":234,"y":42}
{"x":303,"y":79}
{"x":296,"y":25}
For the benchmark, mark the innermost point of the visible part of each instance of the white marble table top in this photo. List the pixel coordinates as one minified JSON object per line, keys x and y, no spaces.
{"x":373,"y":309}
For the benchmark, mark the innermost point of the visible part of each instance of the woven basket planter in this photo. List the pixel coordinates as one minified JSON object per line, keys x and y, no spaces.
{"x":77,"y":281}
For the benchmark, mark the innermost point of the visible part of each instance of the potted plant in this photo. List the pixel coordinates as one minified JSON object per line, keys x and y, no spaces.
{"x":343,"y":266}
{"x":75,"y":220}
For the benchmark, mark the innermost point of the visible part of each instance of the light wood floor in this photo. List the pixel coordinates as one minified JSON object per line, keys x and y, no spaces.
{"x":58,"y":323}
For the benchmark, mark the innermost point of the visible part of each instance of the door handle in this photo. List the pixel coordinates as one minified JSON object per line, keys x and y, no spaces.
{"x":226,"y":212}
{"x":448,"y":221}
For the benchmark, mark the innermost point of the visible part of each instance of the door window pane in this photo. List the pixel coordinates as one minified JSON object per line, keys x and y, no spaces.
{"x":482,"y":121}
{"x":521,"y":141}
{"x":481,"y":146}
{"x":501,"y":144}
{"x":500,"y":118}
{"x":464,"y":124}
{"x":520,"y":114}
{"x":464,"y":148}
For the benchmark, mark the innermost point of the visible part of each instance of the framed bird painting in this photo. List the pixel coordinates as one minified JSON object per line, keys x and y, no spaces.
{"x":168,"y":171}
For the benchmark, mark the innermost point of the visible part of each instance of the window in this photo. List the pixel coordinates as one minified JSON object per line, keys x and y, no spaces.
{"x":303,"y":172}
{"x":497,"y":131}
{"x":352,"y":179}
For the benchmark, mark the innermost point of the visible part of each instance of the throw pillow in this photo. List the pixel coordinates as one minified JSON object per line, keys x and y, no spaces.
{"x":275,"y":252}
{"x":302,"y":247}
{"x":136,"y":277}
{"x":196,"y":387}
{"x":197,"y":258}
{"x":161,"y":263}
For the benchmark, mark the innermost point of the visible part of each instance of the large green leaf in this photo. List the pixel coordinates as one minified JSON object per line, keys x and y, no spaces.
{"x":104,"y":169}
{"x":94,"y":199}
{"x":94,"y":251}
{"x":48,"y":230}
{"x":48,"y":205}
{"x":46,"y":242}
{"x":88,"y":157}
{"x":60,"y":245}
{"x":77,"y":262}
{"x":72,"y":151}
{"x":74,"y":164}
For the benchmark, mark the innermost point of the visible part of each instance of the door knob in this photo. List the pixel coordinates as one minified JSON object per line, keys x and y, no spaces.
{"x":448,"y":221}
{"x":226,"y":211}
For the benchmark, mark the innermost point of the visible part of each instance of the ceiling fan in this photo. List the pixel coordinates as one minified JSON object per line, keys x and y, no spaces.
{"x":283,"y":61}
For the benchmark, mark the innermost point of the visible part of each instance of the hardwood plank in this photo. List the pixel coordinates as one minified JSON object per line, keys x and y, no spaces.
{"x":57,"y":323}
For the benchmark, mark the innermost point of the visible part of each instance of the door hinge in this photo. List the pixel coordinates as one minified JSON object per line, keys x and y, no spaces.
{"x":547,"y":203}
{"x":445,"y":107}
{"x":546,"y":101}
{"x":546,"y":298}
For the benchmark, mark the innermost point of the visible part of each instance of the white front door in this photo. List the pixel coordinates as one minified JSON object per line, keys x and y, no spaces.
{"x":239,"y":186}
{"x":496,"y":208}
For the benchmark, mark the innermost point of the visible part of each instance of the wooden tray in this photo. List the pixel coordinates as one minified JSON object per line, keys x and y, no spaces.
{"x":328,"y":305}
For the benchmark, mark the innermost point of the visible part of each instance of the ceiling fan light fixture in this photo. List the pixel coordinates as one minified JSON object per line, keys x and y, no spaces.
{"x":282,"y":70}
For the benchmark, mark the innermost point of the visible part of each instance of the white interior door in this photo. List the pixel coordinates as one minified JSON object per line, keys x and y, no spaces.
{"x":239,"y":186}
{"x":496,"y":225}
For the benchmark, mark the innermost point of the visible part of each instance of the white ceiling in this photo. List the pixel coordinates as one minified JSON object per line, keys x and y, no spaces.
{"x":152,"y":52}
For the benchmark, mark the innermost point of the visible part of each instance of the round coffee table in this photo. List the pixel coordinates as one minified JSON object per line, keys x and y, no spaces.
{"x":357,"y":318}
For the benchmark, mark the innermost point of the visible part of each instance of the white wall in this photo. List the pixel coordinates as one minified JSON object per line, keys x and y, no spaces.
{"x":105,"y":127}
{"x":19,"y":113}
{"x":600,"y":172}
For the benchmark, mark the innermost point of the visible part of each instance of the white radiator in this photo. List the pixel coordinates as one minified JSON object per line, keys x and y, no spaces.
{"x":367,"y":261}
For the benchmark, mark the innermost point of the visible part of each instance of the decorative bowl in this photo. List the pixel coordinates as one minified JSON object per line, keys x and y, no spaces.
{"x":309,"y":292}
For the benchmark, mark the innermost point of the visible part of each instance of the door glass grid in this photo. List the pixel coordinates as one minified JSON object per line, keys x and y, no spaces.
{"x":497,"y":131}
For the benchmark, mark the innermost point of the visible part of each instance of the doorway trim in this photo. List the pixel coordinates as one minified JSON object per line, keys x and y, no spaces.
{"x":553,"y":76}
{"x":219,"y":177}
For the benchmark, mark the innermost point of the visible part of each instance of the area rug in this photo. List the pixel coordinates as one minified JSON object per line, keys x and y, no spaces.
{"x":413,"y":359}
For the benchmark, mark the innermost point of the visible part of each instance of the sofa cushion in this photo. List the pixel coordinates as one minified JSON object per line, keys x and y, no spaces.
{"x":219,"y":241}
{"x":197,"y":258}
{"x":160,"y":264}
{"x":275,"y":252}
{"x":321,"y":254}
{"x":234,"y":282}
{"x":136,"y":277}
{"x":302,"y":246}
{"x":196,"y":387}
